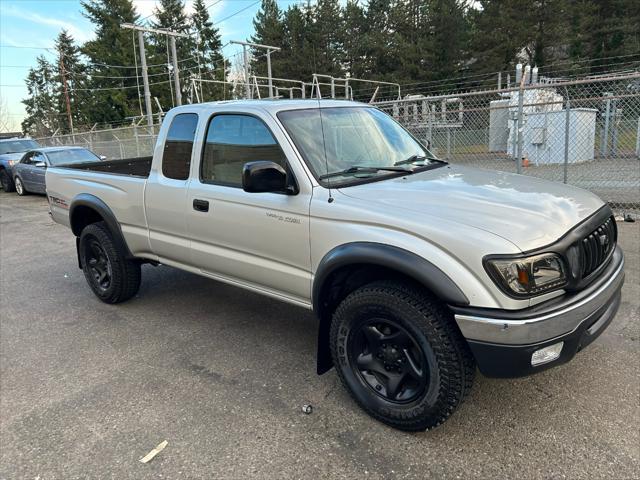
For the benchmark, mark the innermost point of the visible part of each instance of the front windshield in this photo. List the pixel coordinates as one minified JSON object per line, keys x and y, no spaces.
{"x":17,"y":146}
{"x":76,"y":155}
{"x":355,"y":138}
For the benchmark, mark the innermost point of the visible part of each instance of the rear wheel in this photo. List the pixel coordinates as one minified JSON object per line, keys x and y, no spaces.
{"x":20,"y":190}
{"x":111,"y":276}
{"x":400,"y":355}
{"x":5,"y":181}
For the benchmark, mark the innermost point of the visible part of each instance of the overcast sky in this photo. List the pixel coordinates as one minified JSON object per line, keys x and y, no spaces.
{"x":28,"y":28}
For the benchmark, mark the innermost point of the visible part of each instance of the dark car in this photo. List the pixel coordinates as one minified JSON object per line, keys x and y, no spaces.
{"x":11,"y":150}
{"x":28,"y":174}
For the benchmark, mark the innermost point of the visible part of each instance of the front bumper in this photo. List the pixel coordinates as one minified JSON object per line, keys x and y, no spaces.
{"x":503,"y":341}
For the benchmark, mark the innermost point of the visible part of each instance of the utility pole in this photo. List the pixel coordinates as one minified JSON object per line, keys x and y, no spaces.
{"x":66,"y":93}
{"x":269,"y":50}
{"x":145,"y":76}
{"x":145,"y":79}
{"x":176,"y":74}
{"x":247,"y":88}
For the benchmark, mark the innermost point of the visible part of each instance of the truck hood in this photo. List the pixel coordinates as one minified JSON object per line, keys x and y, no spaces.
{"x":524,"y":210}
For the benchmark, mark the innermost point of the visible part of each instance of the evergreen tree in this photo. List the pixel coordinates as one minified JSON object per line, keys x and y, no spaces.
{"x":70,"y":67}
{"x":269,"y":30}
{"x":352,"y":38}
{"x":209,"y":51}
{"x":498,"y":34}
{"x":327,"y":37}
{"x":111,"y":72}
{"x":42,"y":114}
{"x":170,"y":15}
{"x":446,"y":48}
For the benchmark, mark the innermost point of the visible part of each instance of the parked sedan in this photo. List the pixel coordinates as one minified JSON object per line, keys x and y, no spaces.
{"x":28,"y":175}
{"x":11,"y":151}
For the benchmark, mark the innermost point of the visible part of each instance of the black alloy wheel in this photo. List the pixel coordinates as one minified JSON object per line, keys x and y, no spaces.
{"x":389,"y":360}
{"x":112,"y":276}
{"x":399,"y":353}
{"x":99,"y":264}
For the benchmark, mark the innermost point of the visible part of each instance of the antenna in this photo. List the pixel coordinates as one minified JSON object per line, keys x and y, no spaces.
{"x":324,"y":141}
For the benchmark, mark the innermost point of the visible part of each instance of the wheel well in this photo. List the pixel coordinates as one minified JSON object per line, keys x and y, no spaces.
{"x":337,"y":286}
{"x":83,"y":216}
{"x":348,"y":278}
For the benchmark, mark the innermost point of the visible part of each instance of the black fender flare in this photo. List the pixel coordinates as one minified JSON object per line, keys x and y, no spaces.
{"x":378,"y":254}
{"x":94,"y":203}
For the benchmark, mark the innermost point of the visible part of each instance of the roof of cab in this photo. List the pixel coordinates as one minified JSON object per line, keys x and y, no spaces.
{"x":270,"y":105}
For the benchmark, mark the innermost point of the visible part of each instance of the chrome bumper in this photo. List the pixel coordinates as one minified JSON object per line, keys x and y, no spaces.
{"x":545,"y":322}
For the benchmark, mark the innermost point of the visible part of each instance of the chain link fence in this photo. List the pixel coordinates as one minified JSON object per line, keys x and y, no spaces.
{"x":582,"y":132}
{"x":124,"y":142}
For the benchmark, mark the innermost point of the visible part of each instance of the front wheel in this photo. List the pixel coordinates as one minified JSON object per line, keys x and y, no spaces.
{"x":112,"y":277}
{"x":5,"y":181}
{"x":400,"y":355}
{"x":20,"y":190}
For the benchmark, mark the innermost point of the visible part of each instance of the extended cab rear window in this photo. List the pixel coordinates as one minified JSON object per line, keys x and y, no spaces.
{"x":176,"y":158}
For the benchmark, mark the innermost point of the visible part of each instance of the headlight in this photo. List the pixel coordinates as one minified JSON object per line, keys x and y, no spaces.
{"x":12,"y":162}
{"x":529,"y":276}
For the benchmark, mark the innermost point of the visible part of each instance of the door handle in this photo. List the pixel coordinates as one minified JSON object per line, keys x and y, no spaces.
{"x":200,"y":205}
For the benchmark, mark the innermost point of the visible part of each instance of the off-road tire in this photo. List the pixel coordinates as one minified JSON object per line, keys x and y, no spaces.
{"x":449,"y":362}
{"x":125,"y":274}
{"x":19,"y":186}
{"x":5,"y":181}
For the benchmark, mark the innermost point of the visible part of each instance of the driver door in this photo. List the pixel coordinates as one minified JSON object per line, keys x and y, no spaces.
{"x":24,"y":170}
{"x":38,"y":170}
{"x":258,"y":240}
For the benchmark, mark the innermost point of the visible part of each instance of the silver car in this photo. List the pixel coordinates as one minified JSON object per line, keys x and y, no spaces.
{"x":28,"y":174}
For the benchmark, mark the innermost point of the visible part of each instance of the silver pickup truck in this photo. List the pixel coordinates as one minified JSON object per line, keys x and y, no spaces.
{"x":418,"y":270}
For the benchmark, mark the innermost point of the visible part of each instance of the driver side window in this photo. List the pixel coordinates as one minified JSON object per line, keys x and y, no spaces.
{"x":26,"y":160}
{"x":37,"y":158}
{"x":233,"y":140}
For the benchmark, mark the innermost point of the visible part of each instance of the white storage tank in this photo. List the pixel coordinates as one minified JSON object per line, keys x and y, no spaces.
{"x":544,"y":133}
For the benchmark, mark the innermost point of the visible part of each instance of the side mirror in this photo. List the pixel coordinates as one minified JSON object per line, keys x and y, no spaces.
{"x":265,"y":176}
{"x":40,"y":165}
{"x":103,"y":157}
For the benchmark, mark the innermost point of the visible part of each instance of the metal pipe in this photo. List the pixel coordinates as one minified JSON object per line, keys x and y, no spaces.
{"x":269,"y":73}
{"x":247,"y":89}
{"x":520,"y":125}
{"x":566,"y":139}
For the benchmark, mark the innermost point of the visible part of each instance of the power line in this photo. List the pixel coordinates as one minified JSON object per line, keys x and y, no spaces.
{"x":236,"y":13}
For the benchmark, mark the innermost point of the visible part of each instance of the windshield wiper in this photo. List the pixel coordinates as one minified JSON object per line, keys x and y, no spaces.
{"x":418,"y":158}
{"x":363,"y":169}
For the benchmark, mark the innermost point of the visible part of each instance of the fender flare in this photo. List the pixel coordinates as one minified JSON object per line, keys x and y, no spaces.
{"x":379,"y":254}
{"x":94,"y":203}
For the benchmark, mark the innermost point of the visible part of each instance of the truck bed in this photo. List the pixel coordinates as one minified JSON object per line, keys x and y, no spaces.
{"x":137,"y":166}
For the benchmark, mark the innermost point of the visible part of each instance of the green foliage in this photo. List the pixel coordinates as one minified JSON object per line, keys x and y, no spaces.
{"x":208,"y":47}
{"x":114,"y":96}
{"x":42,"y":114}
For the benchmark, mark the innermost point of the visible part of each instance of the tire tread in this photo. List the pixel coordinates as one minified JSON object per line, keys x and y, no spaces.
{"x":455,"y":361}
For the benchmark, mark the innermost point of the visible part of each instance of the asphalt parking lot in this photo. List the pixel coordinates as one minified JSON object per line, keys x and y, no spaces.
{"x":87,"y":389}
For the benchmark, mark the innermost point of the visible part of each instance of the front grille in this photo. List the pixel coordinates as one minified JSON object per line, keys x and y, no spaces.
{"x":596,"y":247}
